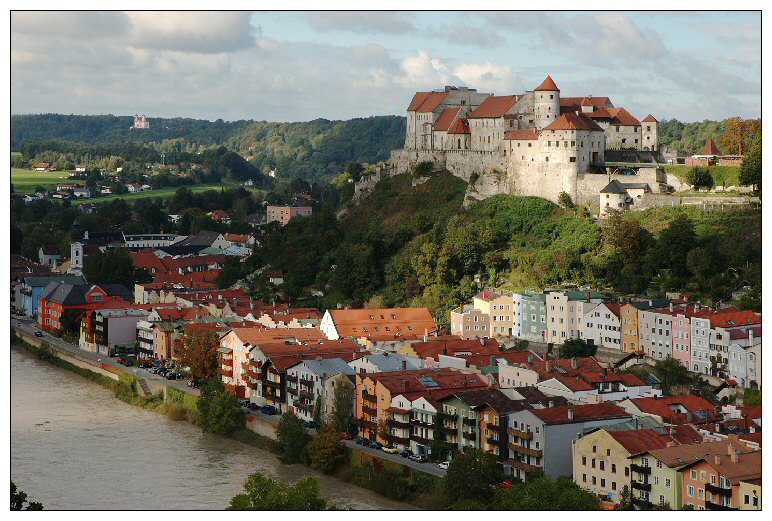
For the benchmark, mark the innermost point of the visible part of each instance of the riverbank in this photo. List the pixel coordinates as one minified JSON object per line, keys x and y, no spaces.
{"x":392,"y":481}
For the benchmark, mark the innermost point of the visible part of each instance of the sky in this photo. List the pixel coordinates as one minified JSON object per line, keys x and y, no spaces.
{"x":299,"y":66}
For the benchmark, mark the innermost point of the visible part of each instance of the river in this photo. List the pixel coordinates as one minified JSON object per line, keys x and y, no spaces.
{"x":75,"y":446}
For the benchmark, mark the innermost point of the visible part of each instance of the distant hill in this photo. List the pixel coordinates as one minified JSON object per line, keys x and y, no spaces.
{"x":314,"y":150}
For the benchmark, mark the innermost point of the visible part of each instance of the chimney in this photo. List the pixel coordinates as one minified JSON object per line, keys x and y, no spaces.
{"x":671,"y":306}
{"x":729,"y":449}
{"x":750,"y":337}
{"x":570,"y":414}
{"x":530,"y":359}
{"x":717,"y":460}
{"x":426,"y":335}
{"x":573,"y":363}
{"x":550,"y":404}
{"x":734,"y":457}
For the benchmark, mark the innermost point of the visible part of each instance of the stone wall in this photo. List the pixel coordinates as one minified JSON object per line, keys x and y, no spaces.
{"x":261,"y":426}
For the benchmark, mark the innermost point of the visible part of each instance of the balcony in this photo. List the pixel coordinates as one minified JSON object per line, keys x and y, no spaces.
{"x":307,"y":395}
{"x":472,"y":422}
{"x":719,"y":491}
{"x":709,"y":505}
{"x":523,"y":466}
{"x":419,"y":423}
{"x":271,"y":383}
{"x":306,"y":382}
{"x":495,"y":428}
{"x":226,"y":372}
{"x":291,"y":378}
{"x":420,"y":440}
{"x":526,"y":450}
{"x":639,"y":469}
{"x":646,"y":487}
{"x":369,"y":410}
{"x":227,"y":361}
{"x":253,"y":374}
{"x":369,"y":397}
{"x":292,"y":391}
{"x":490,"y":440}
{"x":252,"y":385}
{"x":393,"y":438}
{"x":520,"y":434}
{"x":398,"y":424}
{"x":471,"y":436}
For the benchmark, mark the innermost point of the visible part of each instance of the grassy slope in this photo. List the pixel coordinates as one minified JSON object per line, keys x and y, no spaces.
{"x":721,"y":174}
{"x":25,"y":181}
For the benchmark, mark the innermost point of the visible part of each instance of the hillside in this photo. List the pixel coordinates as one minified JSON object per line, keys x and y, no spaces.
{"x":417,"y":246}
{"x":316,"y":150}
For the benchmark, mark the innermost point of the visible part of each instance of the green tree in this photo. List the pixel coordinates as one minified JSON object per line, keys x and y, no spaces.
{"x":318,"y":410}
{"x":750,"y":172}
{"x":114,"y":267}
{"x":220,"y":410}
{"x":342,"y":403}
{"x":577,"y":348}
{"x":542,"y":493}
{"x":671,"y":372}
{"x":699,"y":177}
{"x":564,"y":200}
{"x":262,"y":493}
{"x":470,"y":477}
{"x":70,"y":321}
{"x":18,"y":498}
{"x":326,"y":451}
{"x":293,"y":438}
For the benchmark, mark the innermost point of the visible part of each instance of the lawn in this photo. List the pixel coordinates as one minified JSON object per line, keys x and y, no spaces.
{"x":25,"y":181}
{"x":722,"y":175}
{"x":160,"y":192}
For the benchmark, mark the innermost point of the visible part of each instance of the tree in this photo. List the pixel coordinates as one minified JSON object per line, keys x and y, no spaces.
{"x":342,"y":404}
{"x":18,"y":498}
{"x":624,"y":233}
{"x":70,"y":321}
{"x":114,"y":267}
{"x":318,"y":409}
{"x":577,"y":348}
{"x":199,"y":351}
{"x":699,"y":177}
{"x":470,"y":476}
{"x":671,"y":372}
{"x":564,"y":200}
{"x":355,"y":169}
{"x":326,"y":451}
{"x":439,"y":449}
{"x":262,"y":493}
{"x":542,"y":493}
{"x":293,"y":438}
{"x":220,"y":410}
{"x":750,"y":171}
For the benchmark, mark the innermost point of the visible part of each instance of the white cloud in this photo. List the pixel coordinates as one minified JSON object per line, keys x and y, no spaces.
{"x":361,"y":22}
{"x":488,"y":77}
{"x":201,"y":32}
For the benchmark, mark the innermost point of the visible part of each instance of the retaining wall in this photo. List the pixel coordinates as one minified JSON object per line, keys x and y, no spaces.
{"x":261,"y":427}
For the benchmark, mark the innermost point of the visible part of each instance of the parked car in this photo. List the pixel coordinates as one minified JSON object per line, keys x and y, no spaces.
{"x":505,"y":484}
{"x":376,"y":445}
{"x":418,"y":458}
{"x":406,"y":453}
{"x":38,"y":333}
{"x":129,"y":363}
{"x":312,"y":425}
{"x":171,"y":375}
{"x":162,"y":371}
{"x":121,"y":360}
{"x":253,"y":407}
{"x":444,"y":465}
{"x":146,"y":364}
{"x":363,"y":441}
{"x":269,"y":410}
{"x":390,"y":450}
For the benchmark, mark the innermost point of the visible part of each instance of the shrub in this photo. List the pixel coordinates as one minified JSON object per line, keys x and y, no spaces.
{"x":422,"y":169}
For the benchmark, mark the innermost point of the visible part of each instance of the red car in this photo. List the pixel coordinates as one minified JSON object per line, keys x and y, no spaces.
{"x":505,"y":484}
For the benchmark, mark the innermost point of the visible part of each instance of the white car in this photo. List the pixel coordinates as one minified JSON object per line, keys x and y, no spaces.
{"x":444,"y":465}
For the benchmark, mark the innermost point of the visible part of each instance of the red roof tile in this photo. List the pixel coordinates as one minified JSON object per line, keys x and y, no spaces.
{"x":547,"y":85}
{"x":729,"y":317}
{"x":642,"y":440}
{"x":432,"y":101}
{"x":493,"y":107}
{"x":446,"y":118}
{"x":624,"y":118}
{"x":661,"y":407}
{"x":528,"y":135}
{"x":594,"y":101}
{"x":460,"y":126}
{"x":419,"y":98}
{"x":573,"y":121}
{"x":581,"y":413}
{"x":650,"y":119}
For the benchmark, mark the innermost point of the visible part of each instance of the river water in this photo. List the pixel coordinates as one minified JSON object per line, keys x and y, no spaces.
{"x":75,"y":446}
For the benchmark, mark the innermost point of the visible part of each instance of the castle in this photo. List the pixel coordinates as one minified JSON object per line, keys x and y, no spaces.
{"x":141,"y":121}
{"x":536,"y":143}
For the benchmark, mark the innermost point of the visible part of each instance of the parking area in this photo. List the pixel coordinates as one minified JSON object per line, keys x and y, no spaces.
{"x":429,"y":468}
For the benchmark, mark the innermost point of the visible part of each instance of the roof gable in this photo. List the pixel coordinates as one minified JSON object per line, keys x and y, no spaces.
{"x":547,"y":85}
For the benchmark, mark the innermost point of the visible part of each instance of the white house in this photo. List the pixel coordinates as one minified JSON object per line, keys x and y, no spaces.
{"x":305,"y":384}
{"x":603,"y":325}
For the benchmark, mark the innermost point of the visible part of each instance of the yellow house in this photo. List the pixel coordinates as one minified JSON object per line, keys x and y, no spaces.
{"x":628,"y":316}
{"x":750,"y":495}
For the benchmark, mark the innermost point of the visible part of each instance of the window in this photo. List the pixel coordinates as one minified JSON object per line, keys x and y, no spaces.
{"x":584,"y":460}
{"x":613,"y":468}
{"x":603,"y":483}
{"x":667,"y":482}
{"x":608,"y":452}
{"x":690,"y":491}
{"x":584,"y":479}
{"x":701,"y":493}
{"x":659,"y":464}
{"x":694,"y":474}
{"x":613,"y":485}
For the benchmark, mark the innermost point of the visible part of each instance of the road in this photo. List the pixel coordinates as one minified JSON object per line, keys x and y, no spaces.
{"x":29,"y":325}
{"x":429,"y":468}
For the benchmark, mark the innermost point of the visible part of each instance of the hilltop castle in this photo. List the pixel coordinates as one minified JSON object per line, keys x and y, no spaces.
{"x":537,"y":143}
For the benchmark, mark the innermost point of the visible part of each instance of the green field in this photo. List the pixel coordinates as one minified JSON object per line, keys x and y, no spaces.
{"x":160,"y":192}
{"x":722,"y":175}
{"x":25,"y":181}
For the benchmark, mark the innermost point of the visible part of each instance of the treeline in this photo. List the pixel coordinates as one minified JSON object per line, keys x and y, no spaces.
{"x":690,"y":138}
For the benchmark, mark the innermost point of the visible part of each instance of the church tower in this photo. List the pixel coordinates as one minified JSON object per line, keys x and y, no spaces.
{"x":649,"y":137}
{"x":546,"y":103}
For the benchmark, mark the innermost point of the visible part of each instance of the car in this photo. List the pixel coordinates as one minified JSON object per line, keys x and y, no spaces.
{"x":363,"y":441}
{"x":390,"y":450}
{"x":38,"y":333}
{"x":253,"y":407}
{"x":269,"y":410}
{"x":171,"y":375}
{"x":376,"y":445}
{"x":121,"y":360}
{"x":444,"y":465}
{"x":406,"y":453}
{"x":162,"y":371}
{"x":312,"y":425}
{"x":505,"y":484}
{"x":146,"y":364}
{"x":129,"y":363}
{"x":418,"y":458}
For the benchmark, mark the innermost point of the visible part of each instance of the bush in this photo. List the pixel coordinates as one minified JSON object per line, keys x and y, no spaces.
{"x":293,"y":438}
{"x":219,"y":409}
{"x":565,"y":201}
{"x":699,"y":177}
{"x":422,"y":169}
{"x":176,"y":411}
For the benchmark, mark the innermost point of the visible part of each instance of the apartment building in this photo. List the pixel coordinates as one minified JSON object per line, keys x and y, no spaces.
{"x":379,"y":323}
{"x":467,"y":322}
{"x":566,"y":311}
{"x":603,"y":326}
{"x":630,"y":316}
{"x":531,"y":309}
{"x":305,"y":384}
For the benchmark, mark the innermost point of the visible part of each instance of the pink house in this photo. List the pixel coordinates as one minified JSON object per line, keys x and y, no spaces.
{"x":682,"y":337}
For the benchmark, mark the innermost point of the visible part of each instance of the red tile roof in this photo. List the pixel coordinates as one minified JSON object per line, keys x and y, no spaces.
{"x":446,"y":118}
{"x":572,"y":121}
{"x":390,"y":321}
{"x":601,"y":113}
{"x":581,"y":413}
{"x":660,"y":407}
{"x":434,"y":347}
{"x":624,"y":118}
{"x":711,"y":149}
{"x":149,"y":261}
{"x":642,"y":440}
{"x":460,"y":126}
{"x":547,"y":85}
{"x":493,"y":107}
{"x":529,"y":135}
{"x":627,"y":379}
{"x":736,"y":334}
{"x":594,"y":101}
{"x":419,"y":98}
{"x":650,"y":119}
{"x":729,"y":317}
{"x":416,"y":380}
{"x":574,"y":383}
{"x":432,"y":101}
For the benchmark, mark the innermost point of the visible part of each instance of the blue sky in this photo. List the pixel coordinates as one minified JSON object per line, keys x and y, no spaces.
{"x":295,"y":66}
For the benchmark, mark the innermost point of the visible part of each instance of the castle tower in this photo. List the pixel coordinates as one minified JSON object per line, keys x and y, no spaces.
{"x":546,"y":103}
{"x":649,"y":135}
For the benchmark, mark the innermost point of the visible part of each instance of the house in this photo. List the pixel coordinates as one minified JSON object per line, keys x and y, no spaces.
{"x":283,"y":214}
{"x":705,"y":476}
{"x":134,"y":187}
{"x":393,"y":322}
{"x":193,"y":244}
{"x":42,"y":167}
{"x":33,"y":286}
{"x":305,"y":384}
{"x":329,"y":386}
{"x":621,"y":196}
{"x":81,"y":168}
{"x":603,"y":326}
{"x":59,"y":298}
{"x":49,"y":255}
{"x":275,"y":277}
{"x":104,"y":329}
{"x":220,"y":216}
{"x":369,"y":363}
{"x":541,"y":440}
{"x":565,"y":312}
{"x":254,"y":220}
{"x":602,"y":456}
{"x":673,"y":410}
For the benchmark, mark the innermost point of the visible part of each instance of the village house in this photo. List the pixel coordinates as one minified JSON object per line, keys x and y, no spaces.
{"x":305,"y":384}
{"x":673,"y":410}
{"x":602,"y":326}
{"x":392,"y":322}
{"x":283,"y":214}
